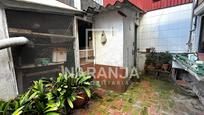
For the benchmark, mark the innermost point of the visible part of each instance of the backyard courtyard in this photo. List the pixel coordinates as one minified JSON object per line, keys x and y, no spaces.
{"x":73,"y":57}
{"x":148,"y":97}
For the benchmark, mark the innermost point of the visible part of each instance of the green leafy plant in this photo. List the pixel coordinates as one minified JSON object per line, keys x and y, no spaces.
{"x":68,"y":85}
{"x":50,"y":97}
{"x":158,"y":57}
{"x":151,"y":58}
{"x":166,"y":58}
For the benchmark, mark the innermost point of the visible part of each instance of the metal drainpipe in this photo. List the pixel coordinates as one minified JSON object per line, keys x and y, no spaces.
{"x":14,"y":41}
{"x":195,"y":3}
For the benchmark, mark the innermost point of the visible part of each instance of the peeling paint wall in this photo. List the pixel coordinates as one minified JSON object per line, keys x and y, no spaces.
{"x":8,"y":85}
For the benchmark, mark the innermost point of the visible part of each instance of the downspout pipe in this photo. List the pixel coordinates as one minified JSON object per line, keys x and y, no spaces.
{"x":14,"y":41}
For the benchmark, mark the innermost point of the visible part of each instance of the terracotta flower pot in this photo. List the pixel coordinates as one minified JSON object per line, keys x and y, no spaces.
{"x":146,"y":66}
{"x":81,"y":101}
{"x":99,"y":92}
{"x":151,"y":66}
{"x":158,"y":66}
{"x":165,"y":67}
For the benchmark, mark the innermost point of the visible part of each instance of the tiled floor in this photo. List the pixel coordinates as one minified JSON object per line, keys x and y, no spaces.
{"x":149,"y":97}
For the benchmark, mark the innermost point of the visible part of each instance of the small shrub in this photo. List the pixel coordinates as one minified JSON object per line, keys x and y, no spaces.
{"x":160,"y":57}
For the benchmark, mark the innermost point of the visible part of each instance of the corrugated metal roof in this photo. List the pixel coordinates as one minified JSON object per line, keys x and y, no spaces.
{"x":119,"y":4}
{"x":148,"y":5}
{"x":111,"y":2}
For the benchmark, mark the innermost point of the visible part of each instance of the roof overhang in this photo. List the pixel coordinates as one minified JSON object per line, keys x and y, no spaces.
{"x":51,"y":6}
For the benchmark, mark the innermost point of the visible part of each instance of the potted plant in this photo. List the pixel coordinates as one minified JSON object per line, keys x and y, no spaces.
{"x":79,"y":86}
{"x":83,"y":88}
{"x":166,"y":59}
{"x":158,"y":63}
{"x":52,"y":97}
{"x":150,"y":61}
{"x":70,"y":90}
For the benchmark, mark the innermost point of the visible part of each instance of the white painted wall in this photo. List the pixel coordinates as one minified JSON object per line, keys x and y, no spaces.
{"x":165,"y":29}
{"x":112,"y":52}
{"x":8,"y":85}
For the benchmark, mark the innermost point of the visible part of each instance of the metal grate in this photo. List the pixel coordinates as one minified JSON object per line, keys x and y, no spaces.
{"x":50,"y":48}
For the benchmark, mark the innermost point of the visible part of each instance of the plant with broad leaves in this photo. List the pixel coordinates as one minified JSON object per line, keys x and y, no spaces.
{"x":50,"y":97}
{"x":67,"y":87}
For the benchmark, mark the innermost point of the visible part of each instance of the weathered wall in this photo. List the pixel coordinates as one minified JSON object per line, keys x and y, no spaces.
{"x":76,"y":43}
{"x":8,"y":85}
{"x":112,"y":52}
{"x":129,"y":36}
{"x":165,"y":30}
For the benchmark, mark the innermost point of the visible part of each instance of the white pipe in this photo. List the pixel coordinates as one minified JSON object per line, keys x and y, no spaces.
{"x":14,"y":41}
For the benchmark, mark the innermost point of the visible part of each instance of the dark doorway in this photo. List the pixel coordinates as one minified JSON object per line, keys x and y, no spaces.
{"x":85,"y":43}
{"x":82,"y":28}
